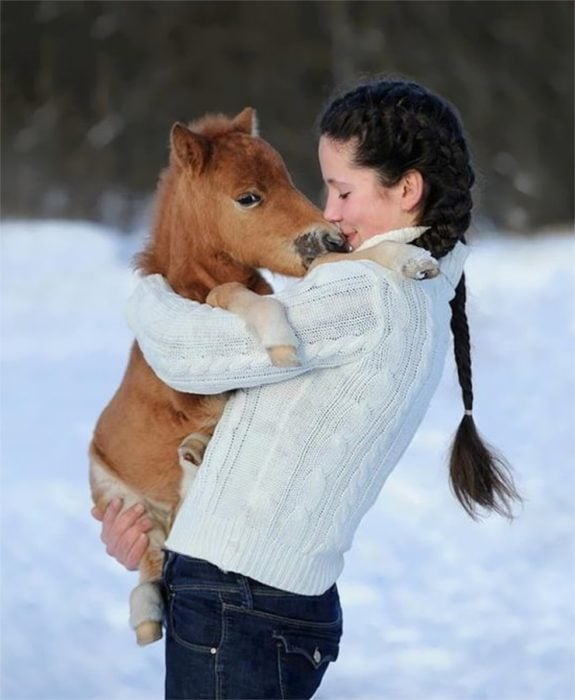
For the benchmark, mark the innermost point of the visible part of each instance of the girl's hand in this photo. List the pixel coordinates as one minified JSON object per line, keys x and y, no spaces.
{"x":124,"y":533}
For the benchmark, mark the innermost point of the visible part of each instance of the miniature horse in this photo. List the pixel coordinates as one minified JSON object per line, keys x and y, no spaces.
{"x":225,"y":206}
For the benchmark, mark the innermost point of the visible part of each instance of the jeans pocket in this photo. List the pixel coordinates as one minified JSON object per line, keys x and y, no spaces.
{"x":195,"y":619}
{"x":303,"y":657}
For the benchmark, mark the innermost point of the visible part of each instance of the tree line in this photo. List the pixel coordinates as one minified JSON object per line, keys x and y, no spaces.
{"x":91,"y":89}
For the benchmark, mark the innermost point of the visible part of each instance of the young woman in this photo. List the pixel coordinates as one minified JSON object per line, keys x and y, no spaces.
{"x":300,"y":454}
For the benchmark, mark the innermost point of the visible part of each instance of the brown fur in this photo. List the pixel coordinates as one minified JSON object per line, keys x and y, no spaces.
{"x":201,"y":238}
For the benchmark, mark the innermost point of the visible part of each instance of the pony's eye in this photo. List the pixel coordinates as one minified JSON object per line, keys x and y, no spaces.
{"x":249,"y":200}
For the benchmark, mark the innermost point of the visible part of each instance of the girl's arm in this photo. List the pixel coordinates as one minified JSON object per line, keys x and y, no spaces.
{"x":336,"y":313}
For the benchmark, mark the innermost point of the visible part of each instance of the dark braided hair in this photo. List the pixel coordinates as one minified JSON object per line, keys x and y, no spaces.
{"x":397,"y":126}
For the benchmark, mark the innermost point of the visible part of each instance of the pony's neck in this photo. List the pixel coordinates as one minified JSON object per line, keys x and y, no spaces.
{"x":180,"y":249}
{"x":210,"y":271}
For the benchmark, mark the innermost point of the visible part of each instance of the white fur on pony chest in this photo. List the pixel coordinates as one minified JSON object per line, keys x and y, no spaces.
{"x":108,"y":487}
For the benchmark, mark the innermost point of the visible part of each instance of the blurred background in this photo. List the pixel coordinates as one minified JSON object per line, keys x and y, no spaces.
{"x":436,"y":606}
{"x":91,"y":89}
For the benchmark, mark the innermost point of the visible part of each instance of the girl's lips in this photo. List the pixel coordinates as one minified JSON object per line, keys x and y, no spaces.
{"x":349,"y":237}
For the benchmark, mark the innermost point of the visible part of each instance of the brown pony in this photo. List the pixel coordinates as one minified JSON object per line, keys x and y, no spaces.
{"x":225,"y":206}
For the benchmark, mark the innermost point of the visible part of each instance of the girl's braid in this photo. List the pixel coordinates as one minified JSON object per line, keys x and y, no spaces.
{"x":398,"y":126}
{"x":461,"y":345}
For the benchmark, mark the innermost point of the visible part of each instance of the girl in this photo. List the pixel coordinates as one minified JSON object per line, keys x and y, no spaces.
{"x":258,"y":543}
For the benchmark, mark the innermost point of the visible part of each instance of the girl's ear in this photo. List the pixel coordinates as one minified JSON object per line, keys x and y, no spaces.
{"x":412,"y":188}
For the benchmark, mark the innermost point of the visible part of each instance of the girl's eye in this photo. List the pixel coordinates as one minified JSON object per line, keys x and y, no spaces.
{"x":249,"y":200}
{"x":344,"y":195}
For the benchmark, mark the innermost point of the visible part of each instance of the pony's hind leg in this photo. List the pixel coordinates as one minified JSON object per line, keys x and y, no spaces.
{"x":146,"y":604}
{"x":191,"y":450}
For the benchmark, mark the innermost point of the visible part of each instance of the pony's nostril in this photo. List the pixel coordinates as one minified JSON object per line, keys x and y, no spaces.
{"x":335,"y":242}
{"x":319,"y":242}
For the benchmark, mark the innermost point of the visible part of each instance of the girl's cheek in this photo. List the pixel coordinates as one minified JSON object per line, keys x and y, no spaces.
{"x":347,"y":213}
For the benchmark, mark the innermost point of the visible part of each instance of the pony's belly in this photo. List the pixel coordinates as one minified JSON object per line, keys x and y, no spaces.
{"x":150,"y":469}
{"x":106,"y":486}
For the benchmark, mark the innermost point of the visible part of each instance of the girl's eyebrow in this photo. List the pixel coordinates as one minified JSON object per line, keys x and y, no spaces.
{"x":332,"y":181}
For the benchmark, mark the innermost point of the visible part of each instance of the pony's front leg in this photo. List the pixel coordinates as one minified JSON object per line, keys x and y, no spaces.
{"x":403,"y":258}
{"x":264,"y":316}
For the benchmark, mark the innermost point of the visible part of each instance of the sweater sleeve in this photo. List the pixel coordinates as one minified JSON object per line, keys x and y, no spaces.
{"x":335,"y":312}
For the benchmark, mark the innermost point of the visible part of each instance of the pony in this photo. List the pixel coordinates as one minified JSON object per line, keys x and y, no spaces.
{"x":225,"y":206}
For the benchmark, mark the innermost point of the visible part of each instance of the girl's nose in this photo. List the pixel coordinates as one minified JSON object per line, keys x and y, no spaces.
{"x":331,"y":210}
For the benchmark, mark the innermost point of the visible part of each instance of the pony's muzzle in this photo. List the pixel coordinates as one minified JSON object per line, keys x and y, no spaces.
{"x":318,"y":242}
{"x":335,"y":242}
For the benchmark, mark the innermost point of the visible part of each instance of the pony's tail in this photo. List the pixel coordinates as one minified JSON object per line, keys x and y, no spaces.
{"x":479,"y":475}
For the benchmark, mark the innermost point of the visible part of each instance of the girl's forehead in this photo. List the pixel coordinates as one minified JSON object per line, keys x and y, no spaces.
{"x":336,"y":156}
{"x":337,"y":163}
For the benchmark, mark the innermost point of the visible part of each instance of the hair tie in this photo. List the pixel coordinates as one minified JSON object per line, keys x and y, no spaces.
{"x":468,"y":413}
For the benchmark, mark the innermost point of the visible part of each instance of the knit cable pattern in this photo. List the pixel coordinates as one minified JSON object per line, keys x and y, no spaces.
{"x":293,"y":466}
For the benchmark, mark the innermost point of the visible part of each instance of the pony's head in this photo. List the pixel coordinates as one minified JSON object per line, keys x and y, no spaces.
{"x":227,"y":203}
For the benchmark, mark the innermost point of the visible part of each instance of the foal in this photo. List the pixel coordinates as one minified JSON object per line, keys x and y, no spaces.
{"x":225,"y":206}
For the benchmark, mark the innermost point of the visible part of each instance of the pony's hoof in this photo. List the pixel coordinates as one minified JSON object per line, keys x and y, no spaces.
{"x":191,"y":449}
{"x":421,"y":268}
{"x":148,"y":632}
{"x":283,"y":356}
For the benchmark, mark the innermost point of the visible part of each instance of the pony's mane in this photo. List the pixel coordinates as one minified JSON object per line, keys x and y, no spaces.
{"x":213,"y":125}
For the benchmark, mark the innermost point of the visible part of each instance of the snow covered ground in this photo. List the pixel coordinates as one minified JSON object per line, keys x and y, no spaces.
{"x":436,"y":607}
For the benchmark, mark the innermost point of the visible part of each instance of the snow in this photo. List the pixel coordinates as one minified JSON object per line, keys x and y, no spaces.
{"x":436,"y":606}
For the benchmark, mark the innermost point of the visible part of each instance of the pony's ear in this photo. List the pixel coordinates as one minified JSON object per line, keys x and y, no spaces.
{"x":246,"y":121}
{"x":187,"y":147}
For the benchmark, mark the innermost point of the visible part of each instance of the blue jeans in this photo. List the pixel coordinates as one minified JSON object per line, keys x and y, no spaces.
{"x":228,"y":636}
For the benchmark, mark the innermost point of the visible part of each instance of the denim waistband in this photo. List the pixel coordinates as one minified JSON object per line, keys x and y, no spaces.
{"x":194,"y":579}
{"x":199,"y":573}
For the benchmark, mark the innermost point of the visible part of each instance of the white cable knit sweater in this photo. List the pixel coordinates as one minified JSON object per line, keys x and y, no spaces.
{"x":294,"y":465}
